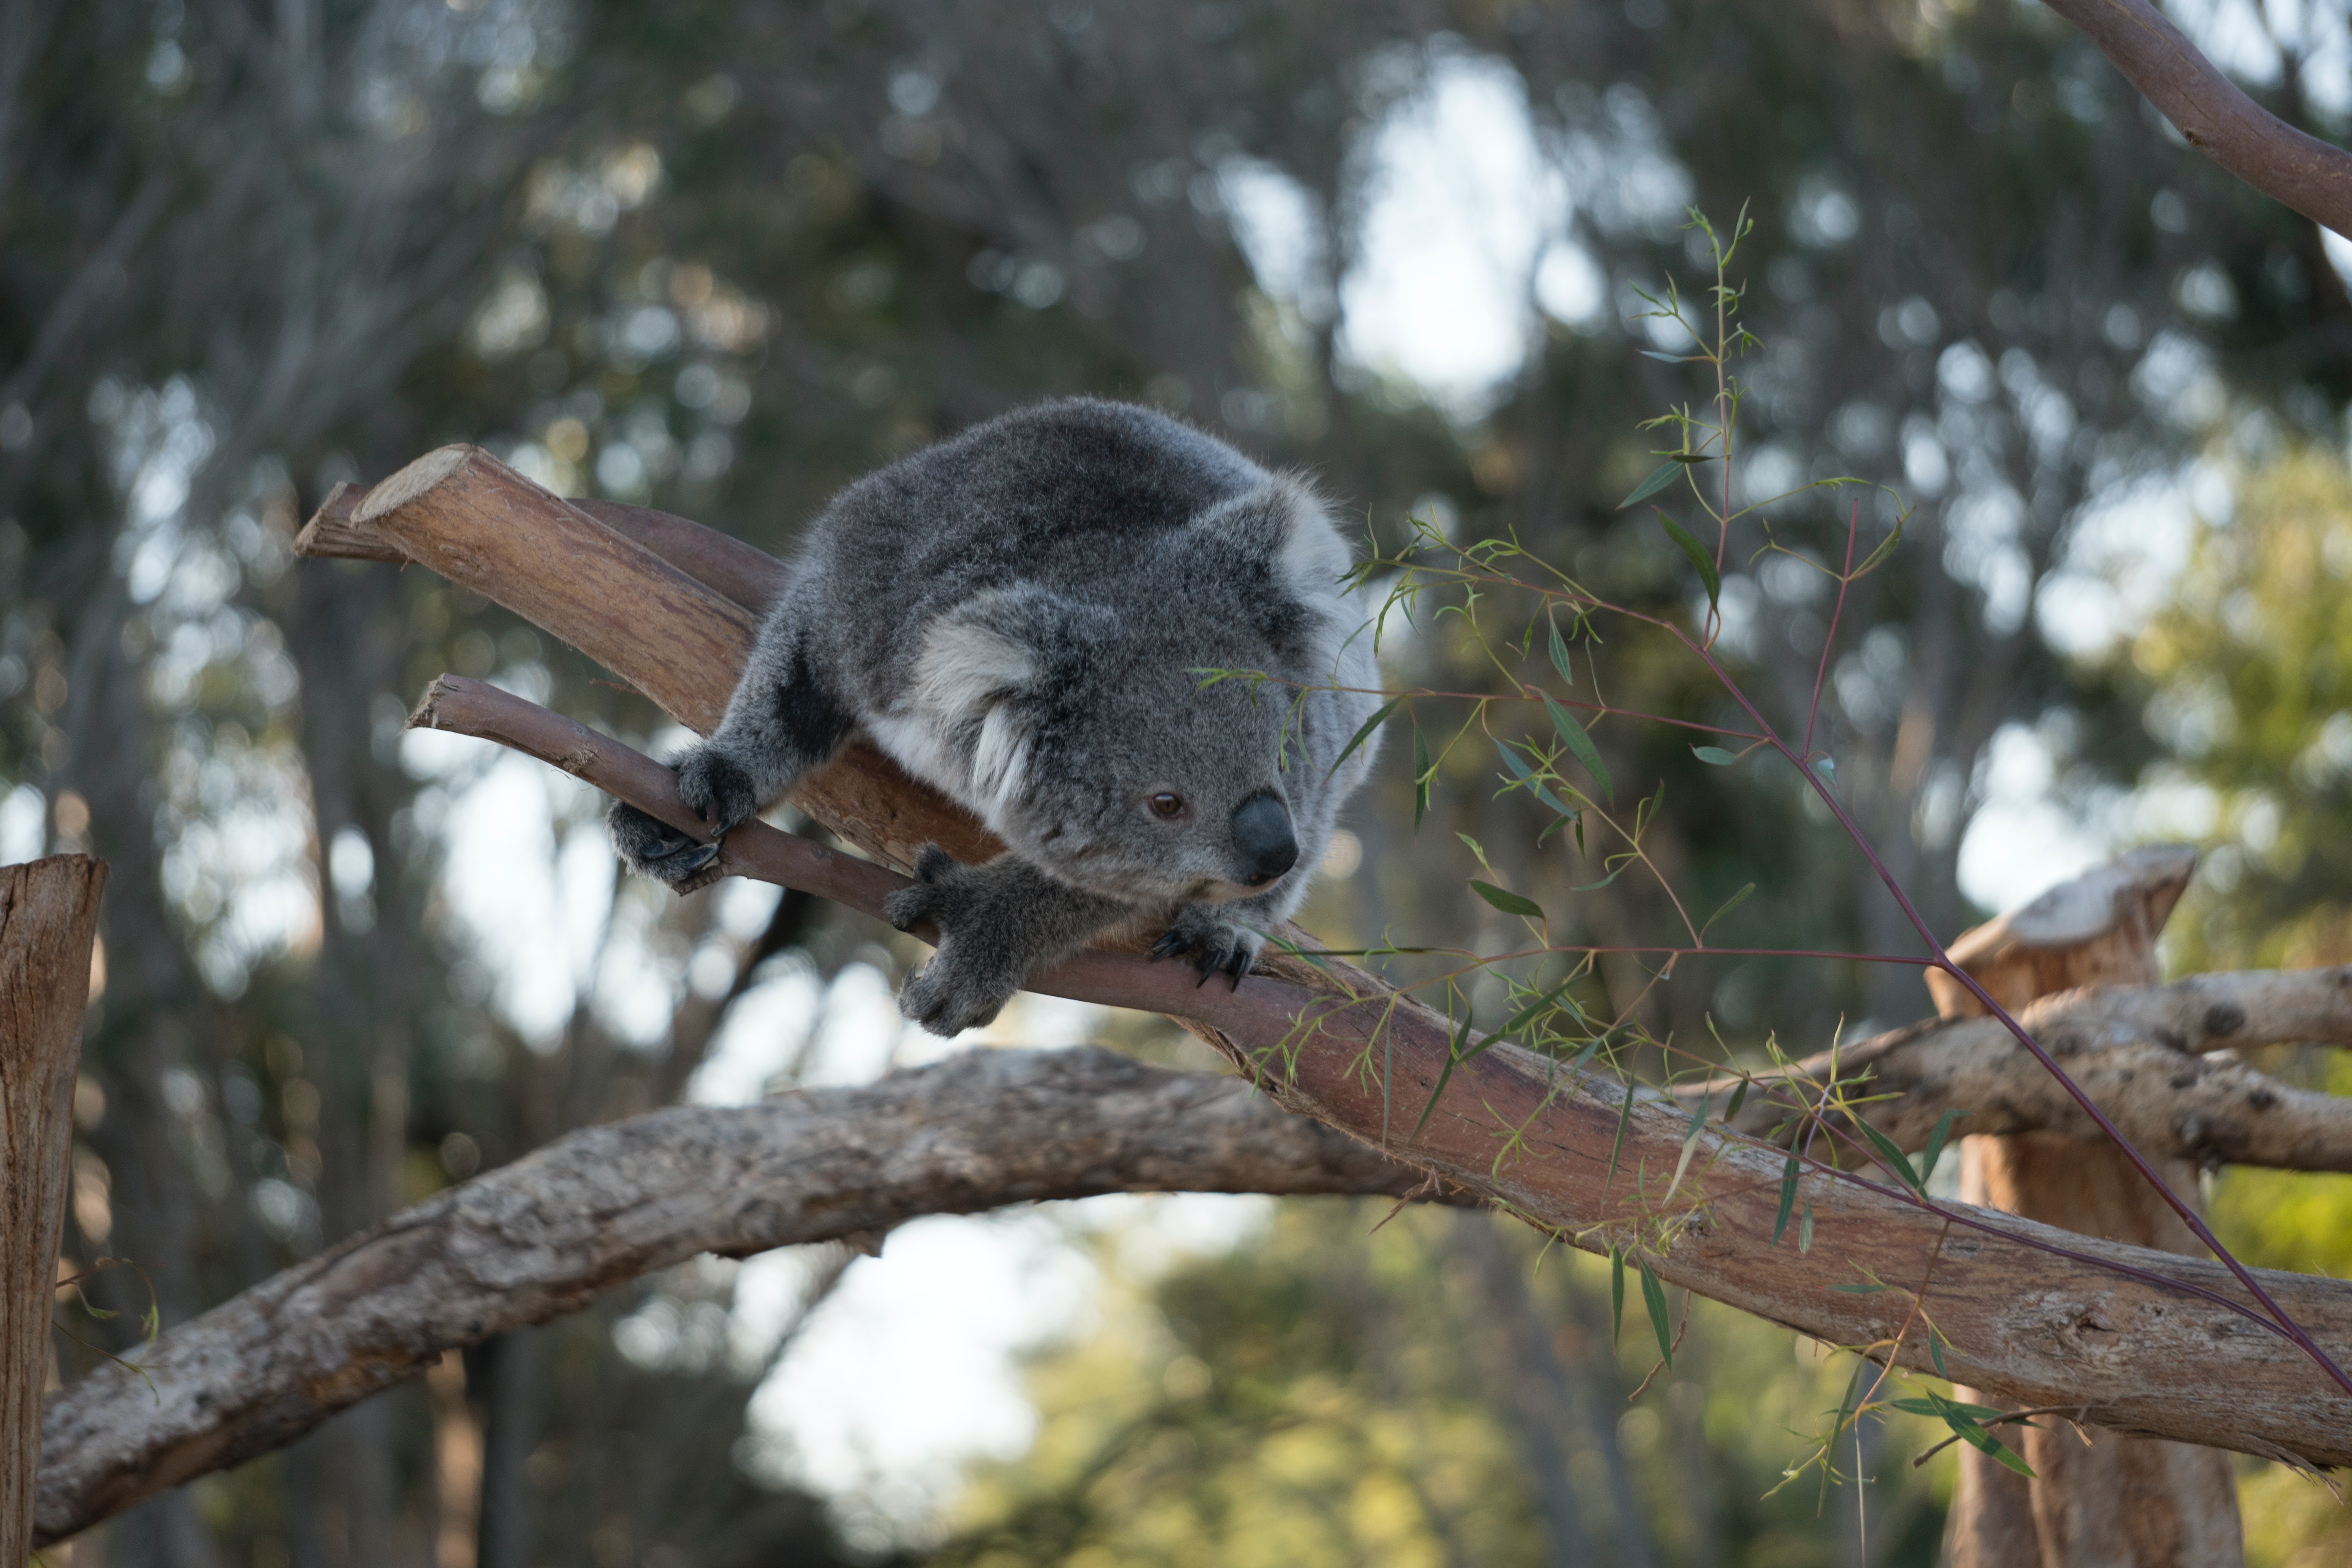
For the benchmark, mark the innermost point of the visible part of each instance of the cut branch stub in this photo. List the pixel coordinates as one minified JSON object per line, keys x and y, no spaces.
{"x":653,"y":599}
{"x":2097,"y":930}
{"x":2152,"y":1503}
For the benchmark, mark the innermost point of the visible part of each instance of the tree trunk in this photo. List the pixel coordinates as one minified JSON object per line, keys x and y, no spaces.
{"x":48,"y":918}
{"x":2097,"y":1497}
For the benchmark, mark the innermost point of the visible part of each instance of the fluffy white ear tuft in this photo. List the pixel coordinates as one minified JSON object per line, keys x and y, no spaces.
{"x":968,"y":667}
{"x":971,"y":730}
{"x":1314,"y":554}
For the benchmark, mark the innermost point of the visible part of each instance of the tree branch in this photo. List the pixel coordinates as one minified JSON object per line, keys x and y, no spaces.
{"x":545,"y":1235}
{"x":2147,"y":1343}
{"x":2138,"y":1049}
{"x":2214,"y":114}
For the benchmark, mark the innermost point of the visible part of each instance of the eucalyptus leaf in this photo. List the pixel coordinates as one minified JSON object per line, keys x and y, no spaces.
{"x":1788,"y":1198}
{"x":1662,"y":475}
{"x":1616,"y":1292}
{"x":1364,"y":731}
{"x":1653,"y":1297}
{"x":1581,"y":744}
{"x":1420,"y":779}
{"x":1700,"y":556}
{"x":1714,"y":756}
{"x":1509,"y":902}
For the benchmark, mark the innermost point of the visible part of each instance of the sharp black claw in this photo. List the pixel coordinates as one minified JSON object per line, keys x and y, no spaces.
{"x":1238,"y":965}
{"x":703,"y":854}
{"x":1168,"y":946}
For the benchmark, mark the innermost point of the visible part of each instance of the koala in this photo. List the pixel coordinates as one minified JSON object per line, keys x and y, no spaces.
{"x":1019,"y":616}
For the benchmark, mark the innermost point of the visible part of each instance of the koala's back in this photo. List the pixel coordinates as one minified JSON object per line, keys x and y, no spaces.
{"x":1071,"y":494}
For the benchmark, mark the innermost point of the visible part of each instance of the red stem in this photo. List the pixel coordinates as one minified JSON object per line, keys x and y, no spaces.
{"x":1814,"y":711}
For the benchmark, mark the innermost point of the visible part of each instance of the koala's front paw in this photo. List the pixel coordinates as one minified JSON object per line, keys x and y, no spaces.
{"x":652,"y":848}
{"x":1214,"y":944}
{"x":964,"y":985}
{"x":717,"y":790}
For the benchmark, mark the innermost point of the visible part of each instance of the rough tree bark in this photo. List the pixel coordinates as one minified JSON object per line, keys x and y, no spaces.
{"x":48,"y":918}
{"x":543,"y":1236}
{"x":2113,"y":1499}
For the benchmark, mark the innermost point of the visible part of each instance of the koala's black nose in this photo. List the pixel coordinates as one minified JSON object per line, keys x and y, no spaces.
{"x":1263,"y":845}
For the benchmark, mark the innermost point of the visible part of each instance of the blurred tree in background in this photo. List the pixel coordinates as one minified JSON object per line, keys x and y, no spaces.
{"x":723,"y":258}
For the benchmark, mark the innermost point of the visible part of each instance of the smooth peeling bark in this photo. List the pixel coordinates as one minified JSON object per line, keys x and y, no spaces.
{"x":2214,"y":115}
{"x":49,"y":921}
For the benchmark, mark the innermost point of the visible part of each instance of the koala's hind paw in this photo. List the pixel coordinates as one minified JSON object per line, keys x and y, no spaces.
{"x":965,"y":985}
{"x":1214,"y":944}
{"x":652,"y":848}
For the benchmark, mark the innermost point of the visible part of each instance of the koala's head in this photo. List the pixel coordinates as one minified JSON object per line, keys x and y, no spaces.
{"x":1094,"y":746}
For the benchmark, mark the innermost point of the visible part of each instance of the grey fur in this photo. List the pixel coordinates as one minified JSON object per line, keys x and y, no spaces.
{"x":1016,"y":615}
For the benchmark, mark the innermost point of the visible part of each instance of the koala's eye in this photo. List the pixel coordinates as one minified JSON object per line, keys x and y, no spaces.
{"x":1167,"y":807}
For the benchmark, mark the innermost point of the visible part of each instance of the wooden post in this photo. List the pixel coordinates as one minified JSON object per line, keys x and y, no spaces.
{"x":2131,"y":1502}
{"x":48,"y":918}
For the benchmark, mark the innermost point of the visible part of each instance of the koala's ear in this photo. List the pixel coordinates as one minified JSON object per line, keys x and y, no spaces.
{"x":984,"y":669}
{"x":1288,"y":528}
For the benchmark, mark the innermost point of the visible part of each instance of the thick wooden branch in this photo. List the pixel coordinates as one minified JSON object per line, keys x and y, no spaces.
{"x":2140,"y":1050}
{"x":2214,"y":114}
{"x":607,"y":574}
{"x":48,"y":918}
{"x":591,"y":1211}
{"x":2138,"y":1340}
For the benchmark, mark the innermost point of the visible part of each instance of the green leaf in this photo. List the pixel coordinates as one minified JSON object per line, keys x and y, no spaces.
{"x":1596,"y":887}
{"x":1526,"y":775}
{"x":1966,"y":1429}
{"x":1885,"y":547}
{"x":1729,"y":904}
{"x":1624,"y":1120}
{"x":1690,"y":1146}
{"x":1935,"y":1149}
{"x":1453,"y":1055}
{"x":1788,"y":1198}
{"x":1805,"y":1228}
{"x":1738,"y":1098}
{"x":1936,"y":1354}
{"x":1653,"y":1297}
{"x":1670,"y":359}
{"x":1419,"y":778}
{"x":1665,"y":475}
{"x":1559,"y":658}
{"x":1616,"y":1292}
{"x":1698,"y":557}
{"x":1509,"y":902}
{"x":1536,"y":1008}
{"x":1896,"y":1161}
{"x":1714,"y":756}
{"x":1581,"y":744}
{"x":1364,"y":733}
